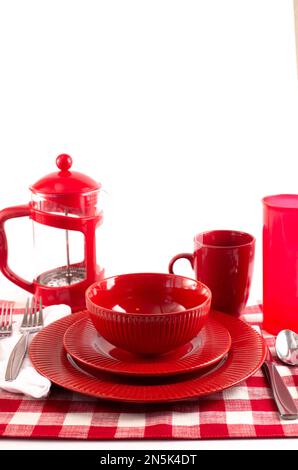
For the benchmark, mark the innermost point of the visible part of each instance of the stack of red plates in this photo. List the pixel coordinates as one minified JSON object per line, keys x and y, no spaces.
{"x":72,"y":354}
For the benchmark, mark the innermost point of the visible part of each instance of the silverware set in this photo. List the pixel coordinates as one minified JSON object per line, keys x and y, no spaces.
{"x":31,"y":323}
{"x":282,"y":397}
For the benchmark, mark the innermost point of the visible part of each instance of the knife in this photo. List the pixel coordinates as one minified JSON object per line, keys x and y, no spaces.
{"x":16,"y":357}
{"x":282,"y":397}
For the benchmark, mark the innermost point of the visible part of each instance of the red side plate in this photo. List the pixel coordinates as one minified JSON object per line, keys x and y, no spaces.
{"x":88,"y":348}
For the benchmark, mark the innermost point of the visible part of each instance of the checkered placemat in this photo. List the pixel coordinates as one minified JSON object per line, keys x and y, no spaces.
{"x":244,"y":411}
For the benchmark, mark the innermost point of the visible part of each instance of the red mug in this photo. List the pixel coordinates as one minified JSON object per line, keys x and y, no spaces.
{"x":223,"y":260}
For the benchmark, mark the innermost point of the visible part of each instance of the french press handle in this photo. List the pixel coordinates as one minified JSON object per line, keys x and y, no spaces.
{"x":5,"y":214}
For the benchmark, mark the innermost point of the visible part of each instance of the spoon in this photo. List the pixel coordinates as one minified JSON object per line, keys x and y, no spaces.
{"x":286,"y":346}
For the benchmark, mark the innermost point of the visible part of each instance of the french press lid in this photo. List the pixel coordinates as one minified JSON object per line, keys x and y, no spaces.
{"x":66,"y":189}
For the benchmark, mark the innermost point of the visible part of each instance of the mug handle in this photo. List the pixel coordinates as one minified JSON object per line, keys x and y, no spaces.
{"x":5,"y":214}
{"x":188,"y":256}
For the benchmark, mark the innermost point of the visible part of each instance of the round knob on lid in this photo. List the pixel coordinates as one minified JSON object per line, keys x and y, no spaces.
{"x":64,"y":181}
{"x":64,"y":162}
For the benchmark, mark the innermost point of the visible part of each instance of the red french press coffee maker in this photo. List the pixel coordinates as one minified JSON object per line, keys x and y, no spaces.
{"x":66,"y":212}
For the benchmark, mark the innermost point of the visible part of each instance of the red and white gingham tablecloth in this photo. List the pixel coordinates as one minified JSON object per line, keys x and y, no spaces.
{"x":244,"y":411}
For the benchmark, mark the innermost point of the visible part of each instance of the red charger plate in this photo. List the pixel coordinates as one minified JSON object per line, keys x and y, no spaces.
{"x":247,"y":354}
{"x":88,"y":348}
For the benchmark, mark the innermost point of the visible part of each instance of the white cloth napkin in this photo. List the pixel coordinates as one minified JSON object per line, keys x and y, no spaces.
{"x":29,"y":381}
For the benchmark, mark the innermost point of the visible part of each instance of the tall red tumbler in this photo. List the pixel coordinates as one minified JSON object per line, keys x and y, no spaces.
{"x":280,"y":262}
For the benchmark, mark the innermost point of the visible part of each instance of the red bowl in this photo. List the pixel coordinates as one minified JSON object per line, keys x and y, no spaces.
{"x":148,"y":313}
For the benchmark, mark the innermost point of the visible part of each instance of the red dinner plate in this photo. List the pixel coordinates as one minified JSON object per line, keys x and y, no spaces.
{"x":246,"y":355}
{"x":88,"y":348}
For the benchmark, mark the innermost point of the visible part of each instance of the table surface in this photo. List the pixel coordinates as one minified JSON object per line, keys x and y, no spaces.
{"x":225,"y":444}
{"x":45,"y":444}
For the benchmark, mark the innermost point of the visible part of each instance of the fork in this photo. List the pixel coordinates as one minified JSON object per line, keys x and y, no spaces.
{"x":6,"y":319}
{"x":31,"y":323}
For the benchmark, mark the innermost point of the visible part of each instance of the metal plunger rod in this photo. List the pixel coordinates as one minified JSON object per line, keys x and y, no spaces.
{"x":68,"y":275}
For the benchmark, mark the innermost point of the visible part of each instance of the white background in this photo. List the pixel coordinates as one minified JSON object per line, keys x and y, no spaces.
{"x":186,"y":111}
